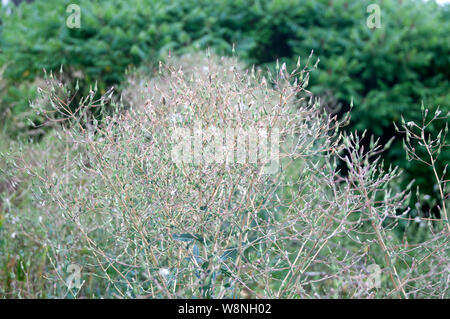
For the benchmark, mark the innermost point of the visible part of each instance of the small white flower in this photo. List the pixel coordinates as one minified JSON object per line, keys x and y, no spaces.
{"x":164,"y":272}
{"x":419,"y":221}
{"x":13,"y":235}
{"x":426,"y":197}
{"x":14,"y":220}
{"x":176,"y":118}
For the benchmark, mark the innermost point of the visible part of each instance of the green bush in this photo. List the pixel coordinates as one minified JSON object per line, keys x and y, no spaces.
{"x":114,"y":36}
{"x":387,"y":71}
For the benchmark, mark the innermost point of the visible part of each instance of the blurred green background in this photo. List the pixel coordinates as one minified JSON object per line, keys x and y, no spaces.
{"x":388,"y":71}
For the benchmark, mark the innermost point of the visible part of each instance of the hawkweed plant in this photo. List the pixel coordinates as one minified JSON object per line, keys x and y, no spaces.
{"x":147,"y":211}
